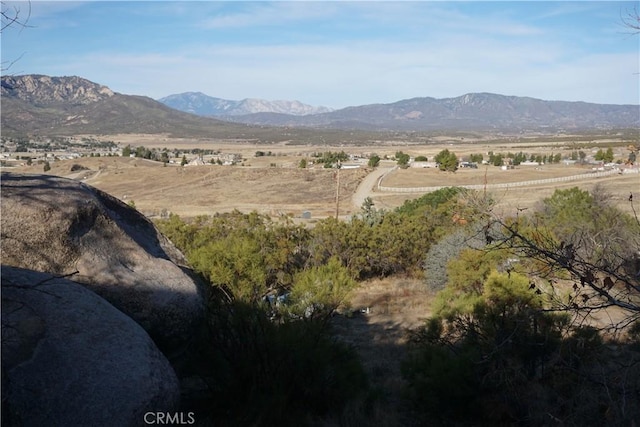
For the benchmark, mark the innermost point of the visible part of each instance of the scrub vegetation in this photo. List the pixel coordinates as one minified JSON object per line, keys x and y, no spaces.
{"x":534,"y":319}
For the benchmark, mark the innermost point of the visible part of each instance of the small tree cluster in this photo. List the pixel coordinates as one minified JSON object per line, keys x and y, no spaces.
{"x":330,"y":158}
{"x":604,"y":156}
{"x":476,"y":158}
{"x":402,"y":159}
{"x":447,"y":161}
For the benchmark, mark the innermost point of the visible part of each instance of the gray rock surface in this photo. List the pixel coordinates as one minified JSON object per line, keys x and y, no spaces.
{"x":69,"y":358}
{"x":60,"y":226}
{"x":54,"y":90}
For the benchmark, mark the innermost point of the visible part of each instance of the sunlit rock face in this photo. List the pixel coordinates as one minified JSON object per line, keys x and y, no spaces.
{"x":47,"y":90}
{"x":64,"y":227}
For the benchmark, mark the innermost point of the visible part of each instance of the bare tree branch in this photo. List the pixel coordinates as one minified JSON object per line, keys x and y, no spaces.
{"x":12,"y":15}
{"x":631,"y":20}
{"x":597,"y":286}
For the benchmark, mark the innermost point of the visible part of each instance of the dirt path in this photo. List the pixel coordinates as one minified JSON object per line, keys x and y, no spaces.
{"x":367,"y":186}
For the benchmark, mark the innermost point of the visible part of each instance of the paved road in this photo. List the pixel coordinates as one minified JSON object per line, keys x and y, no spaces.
{"x":366,"y":187}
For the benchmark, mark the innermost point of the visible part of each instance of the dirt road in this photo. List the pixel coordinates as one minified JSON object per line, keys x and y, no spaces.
{"x":366,"y":187}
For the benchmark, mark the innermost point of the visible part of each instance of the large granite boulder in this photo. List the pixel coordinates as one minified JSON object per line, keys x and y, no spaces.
{"x":61,"y":226}
{"x":69,"y":358}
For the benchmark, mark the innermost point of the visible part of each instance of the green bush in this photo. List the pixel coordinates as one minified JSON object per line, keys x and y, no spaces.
{"x":447,"y":161}
{"x":278,"y":373}
{"x":402,"y":159}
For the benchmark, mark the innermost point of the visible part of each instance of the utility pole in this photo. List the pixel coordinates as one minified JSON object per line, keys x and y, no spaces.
{"x":338,"y":190}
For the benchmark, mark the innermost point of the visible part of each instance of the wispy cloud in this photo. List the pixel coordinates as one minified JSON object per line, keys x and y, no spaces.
{"x":330,"y":74}
{"x":337,"y":53}
{"x":565,"y":9}
{"x":269,"y":14}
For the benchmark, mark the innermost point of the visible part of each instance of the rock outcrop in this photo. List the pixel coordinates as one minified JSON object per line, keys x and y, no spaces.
{"x":61,"y":226}
{"x":69,"y":358}
{"x":46,"y":90}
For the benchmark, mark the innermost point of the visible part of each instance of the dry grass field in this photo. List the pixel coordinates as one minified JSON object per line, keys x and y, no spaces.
{"x":287,"y":156}
{"x":274,"y":185}
{"x":204,"y":190}
{"x":427,"y":177}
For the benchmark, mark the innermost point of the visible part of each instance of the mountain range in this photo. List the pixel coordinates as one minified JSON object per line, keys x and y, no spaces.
{"x":204,"y":105}
{"x":473,"y":111}
{"x":39,"y":105}
{"x":44,"y":105}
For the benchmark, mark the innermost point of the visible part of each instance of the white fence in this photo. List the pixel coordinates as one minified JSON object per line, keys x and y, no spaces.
{"x":587,"y":175}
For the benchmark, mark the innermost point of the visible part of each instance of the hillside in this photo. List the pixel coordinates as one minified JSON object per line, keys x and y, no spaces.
{"x":48,"y":106}
{"x":34,"y":104}
{"x":37,"y":105}
{"x":48,"y":91}
{"x":475,"y":111}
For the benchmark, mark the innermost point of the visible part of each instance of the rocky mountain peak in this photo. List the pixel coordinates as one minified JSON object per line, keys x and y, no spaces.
{"x":46,"y":90}
{"x":204,"y":105}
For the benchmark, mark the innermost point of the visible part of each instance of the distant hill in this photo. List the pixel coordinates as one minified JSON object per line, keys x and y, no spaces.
{"x":43,"y":105}
{"x":474,"y":111}
{"x":48,"y":106}
{"x":204,"y":105}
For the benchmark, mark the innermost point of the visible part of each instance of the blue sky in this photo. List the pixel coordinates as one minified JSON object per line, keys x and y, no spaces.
{"x":335,"y":53}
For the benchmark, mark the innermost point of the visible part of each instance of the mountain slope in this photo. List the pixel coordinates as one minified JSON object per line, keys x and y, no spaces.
{"x":42,"y":105}
{"x":34,"y":104}
{"x":471,"y":111}
{"x":46,"y":91}
{"x":48,"y":106}
{"x":204,"y":105}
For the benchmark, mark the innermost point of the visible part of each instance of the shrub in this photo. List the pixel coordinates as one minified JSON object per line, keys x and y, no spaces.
{"x":447,"y":161}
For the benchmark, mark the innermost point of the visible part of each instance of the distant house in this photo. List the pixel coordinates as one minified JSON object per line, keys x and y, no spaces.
{"x":469,"y":165}
{"x":423,"y":164}
{"x":227,"y":158}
